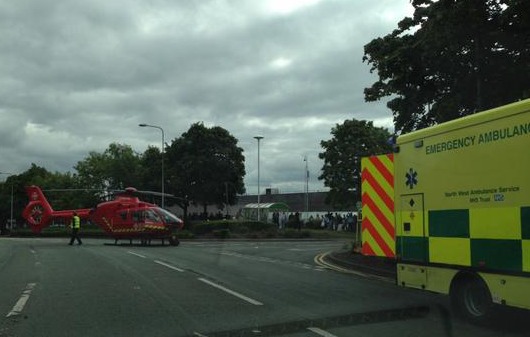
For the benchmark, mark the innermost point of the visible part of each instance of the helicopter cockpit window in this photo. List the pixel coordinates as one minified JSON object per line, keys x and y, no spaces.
{"x":168,"y":216}
{"x":152,"y":216}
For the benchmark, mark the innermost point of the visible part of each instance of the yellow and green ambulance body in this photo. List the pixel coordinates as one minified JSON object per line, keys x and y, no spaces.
{"x":462,"y":209}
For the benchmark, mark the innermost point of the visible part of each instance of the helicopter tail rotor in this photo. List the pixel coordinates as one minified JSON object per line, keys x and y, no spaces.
{"x":38,"y":211}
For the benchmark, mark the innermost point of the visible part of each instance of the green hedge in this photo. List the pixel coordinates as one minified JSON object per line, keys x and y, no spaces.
{"x":290,"y":233}
{"x":221,"y":229}
{"x":89,"y":231}
{"x":230,"y":226}
{"x":185,"y":234}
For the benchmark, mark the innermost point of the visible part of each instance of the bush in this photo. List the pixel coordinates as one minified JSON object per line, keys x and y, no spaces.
{"x":256,"y":226}
{"x":296,"y":234}
{"x":240,"y":229}
{"x":271,"y":233}
{"x":232,"y":226}
{"x":252,"y":236}
{"x":221,"y":233}
{"x":59,"y":232}
{"x":201,"y":228}
{"x":314,"y":224}
{"x":185,"y":234}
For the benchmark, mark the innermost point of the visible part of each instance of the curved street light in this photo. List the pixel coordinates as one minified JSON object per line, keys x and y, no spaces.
{"x":163,"y":142}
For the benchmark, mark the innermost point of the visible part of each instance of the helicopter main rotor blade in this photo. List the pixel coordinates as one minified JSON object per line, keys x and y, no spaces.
{"x":74,"y":190}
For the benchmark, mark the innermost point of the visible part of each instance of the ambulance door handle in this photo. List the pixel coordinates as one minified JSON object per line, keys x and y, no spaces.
{"x":406,"y":226}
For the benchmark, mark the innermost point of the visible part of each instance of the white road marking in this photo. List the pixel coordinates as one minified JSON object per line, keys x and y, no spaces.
{"x":19,"y":306}
{"x":271,"y":260}
{"x":231,"y":292}
{"x":136,"y":254}
{"x":195,"y":333}
{"x":321,"y":332}
{"x":169,"y":266}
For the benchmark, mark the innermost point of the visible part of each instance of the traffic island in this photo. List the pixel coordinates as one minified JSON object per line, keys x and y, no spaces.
{"x":373,"y":265}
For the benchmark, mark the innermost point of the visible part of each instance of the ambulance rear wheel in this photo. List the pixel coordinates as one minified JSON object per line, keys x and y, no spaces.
{"x":471,"y":298}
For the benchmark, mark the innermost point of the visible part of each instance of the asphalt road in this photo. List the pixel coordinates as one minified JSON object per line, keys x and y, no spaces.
{"x":231,"y":288}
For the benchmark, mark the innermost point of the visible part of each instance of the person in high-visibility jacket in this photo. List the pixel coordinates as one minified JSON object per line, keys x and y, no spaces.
{"x":76,"y":225}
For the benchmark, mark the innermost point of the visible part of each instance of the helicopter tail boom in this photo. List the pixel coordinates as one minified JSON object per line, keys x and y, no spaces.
{"x":39,"y":213}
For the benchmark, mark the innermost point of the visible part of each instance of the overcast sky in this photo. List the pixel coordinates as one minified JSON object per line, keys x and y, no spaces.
{"x":76,"y":76}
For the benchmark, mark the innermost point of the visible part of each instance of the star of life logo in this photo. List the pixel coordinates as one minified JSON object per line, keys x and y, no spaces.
{"x":412,"y":178}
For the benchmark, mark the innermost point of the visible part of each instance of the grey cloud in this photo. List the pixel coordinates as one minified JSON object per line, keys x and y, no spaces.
{"x":87,"y":72}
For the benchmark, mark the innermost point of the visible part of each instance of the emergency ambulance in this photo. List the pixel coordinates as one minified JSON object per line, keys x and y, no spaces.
{"x":462,"y":209}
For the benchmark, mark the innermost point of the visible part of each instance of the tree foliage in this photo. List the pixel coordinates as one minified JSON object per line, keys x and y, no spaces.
{"x":452,"y":58}
{"x":117,"y":167}
{"x":36,"y":175}
{"x":203,"y":166}
{"x":150,"y":169}
{"x":206,"y":166}
{"x":341,"y":171}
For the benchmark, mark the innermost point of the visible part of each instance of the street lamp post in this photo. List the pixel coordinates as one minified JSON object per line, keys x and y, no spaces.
{"x":163,"y":143}
{"x":306,"y":187}
{"x":259,"y":138}
{"x":11,"y":214}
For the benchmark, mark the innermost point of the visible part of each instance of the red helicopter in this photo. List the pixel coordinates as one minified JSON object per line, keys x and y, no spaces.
{"x":125,"y":217}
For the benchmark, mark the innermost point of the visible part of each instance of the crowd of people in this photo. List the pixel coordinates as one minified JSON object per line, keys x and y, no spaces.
{"x":345,"y":221}
{"x":330,"y":221}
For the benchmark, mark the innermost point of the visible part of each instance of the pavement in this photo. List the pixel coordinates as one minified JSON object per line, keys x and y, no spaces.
{"x":370,"y":266}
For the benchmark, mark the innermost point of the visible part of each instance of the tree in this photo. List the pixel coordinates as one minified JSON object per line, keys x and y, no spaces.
{"x":151,"y":168}
{"x":35,"y":175}
{"x":206,"y":167}
{"x":341,"y":171}
{"x":117,"y":167}
{"x":463,"y":56}
{"x":49,"y":181}
{"x":41,"y":177}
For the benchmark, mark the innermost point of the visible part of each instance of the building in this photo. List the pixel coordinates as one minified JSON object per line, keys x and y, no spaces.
{"x":295,"y":201}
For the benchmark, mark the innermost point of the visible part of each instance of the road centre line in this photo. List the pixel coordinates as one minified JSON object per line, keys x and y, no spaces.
{"x":168,"y":266}
{"x":231,"y":292}
{"x":136,"y":254}
{"x":19,"y":306}
{"x":321,"y":332}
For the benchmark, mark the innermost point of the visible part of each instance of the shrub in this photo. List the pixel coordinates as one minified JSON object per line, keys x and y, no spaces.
{"x":271,"y":233}
{"x":185,"y":234}
{"x":296,"y":234}
{"x":314,"y":224}
{"x":237,"y":227}
{"x":221,"y":233}
{"x":241,"y":229}
{"x":256,"y":226}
